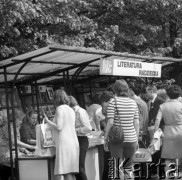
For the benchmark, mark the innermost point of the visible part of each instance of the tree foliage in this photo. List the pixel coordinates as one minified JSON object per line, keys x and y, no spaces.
{"x":28,"y":25}
{"x":136,"y":26}
{"x":146,"y":27}
{"x":19,"y":31}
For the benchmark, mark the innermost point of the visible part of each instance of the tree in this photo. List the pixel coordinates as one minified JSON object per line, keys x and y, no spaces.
{"x":27,"y":25}
{"x":145,"y":27}
{"x":17,"y":33}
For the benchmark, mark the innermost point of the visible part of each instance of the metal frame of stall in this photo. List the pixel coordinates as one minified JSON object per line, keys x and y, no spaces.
{"x":65,"y":72}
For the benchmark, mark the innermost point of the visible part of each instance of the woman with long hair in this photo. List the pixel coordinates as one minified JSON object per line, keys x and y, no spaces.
{"x":66,"y":141}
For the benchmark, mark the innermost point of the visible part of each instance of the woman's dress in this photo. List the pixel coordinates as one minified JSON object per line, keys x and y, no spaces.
{"x":172,"y":142}
{"x":67,"y":147}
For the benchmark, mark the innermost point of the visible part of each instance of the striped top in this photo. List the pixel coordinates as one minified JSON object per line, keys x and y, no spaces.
{"x":128,"y":113}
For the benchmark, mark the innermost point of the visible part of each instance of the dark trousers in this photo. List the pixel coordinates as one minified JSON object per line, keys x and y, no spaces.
{"x":83,"y":142}
{"x":107,"y":156}
{"x":124,"y":152}
{"x":156,"y":158}
{"x":5,"y":172}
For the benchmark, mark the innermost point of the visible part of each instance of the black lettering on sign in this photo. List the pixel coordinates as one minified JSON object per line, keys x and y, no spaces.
{"x":125,"y":64}
{"x":148,"y":73}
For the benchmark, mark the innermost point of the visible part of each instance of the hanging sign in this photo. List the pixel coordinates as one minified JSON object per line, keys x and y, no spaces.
{"x":119,"y":67}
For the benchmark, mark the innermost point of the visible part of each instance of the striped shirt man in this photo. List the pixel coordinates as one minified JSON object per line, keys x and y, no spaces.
{"x":128,"y":113}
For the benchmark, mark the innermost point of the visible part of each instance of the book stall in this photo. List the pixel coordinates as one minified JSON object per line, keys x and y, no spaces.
{"x":28,"y":81}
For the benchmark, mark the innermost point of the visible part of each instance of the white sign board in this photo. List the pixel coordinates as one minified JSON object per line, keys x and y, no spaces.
{"x":119,"y":67}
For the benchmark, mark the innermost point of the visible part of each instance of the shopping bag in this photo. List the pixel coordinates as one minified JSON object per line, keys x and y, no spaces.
{"x":47,"y":134}
{"x":40,"y":150}
{"x":142,"y":154}
{"x":156,"y":143}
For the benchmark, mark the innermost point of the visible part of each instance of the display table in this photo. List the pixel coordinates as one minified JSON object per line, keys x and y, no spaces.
{"x":42,"y":168}
{"x":36,"y":168}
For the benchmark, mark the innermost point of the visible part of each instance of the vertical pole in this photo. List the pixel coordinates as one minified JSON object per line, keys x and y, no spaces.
{"x":67,"y":83}
{"x":37,"y":100}
{"x":110,"y":81}
{"x":83,"y":95}
{"x":9,"y":125}
{"x":64,"y":79}
{"x":90,"y":87}
{"x":32,"y":90}
{"x":15,"y":132}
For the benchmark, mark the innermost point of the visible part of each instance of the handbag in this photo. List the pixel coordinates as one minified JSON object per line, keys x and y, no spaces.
{"x":116,"y":134}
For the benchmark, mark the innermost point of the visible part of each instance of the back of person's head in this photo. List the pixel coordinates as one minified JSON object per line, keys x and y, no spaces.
{"x":96,"y":99}
{"x":72,"y":101}
{"x":162,"y":94}
{"x":121,"y":87}
{"x":136,"y":89}
{"x":143,"y":95}
{"x":151,"y":88}
{"x":174,"y":91}
{"x":19,"y":113}
{"x":60,"y":97}
{"x":106,"y":96}
{"x":111,"y":88}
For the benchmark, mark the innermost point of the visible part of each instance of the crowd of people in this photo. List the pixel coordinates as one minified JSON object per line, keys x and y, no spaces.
{"x":139,"y":111}
{"x":159,"y":108}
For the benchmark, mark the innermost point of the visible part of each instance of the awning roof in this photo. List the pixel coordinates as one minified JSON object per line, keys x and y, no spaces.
{"x":51,"y":62}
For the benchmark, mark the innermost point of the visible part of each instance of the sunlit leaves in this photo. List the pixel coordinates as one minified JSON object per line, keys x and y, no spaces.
{"x":17,"y":32}
{"x":8,"y":51}
{"x":134,"y":26}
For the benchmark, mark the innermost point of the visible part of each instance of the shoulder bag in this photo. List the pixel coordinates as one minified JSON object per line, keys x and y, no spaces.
{"x":116,"y":134}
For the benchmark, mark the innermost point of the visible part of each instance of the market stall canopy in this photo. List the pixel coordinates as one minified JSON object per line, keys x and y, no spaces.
{"x":57,"y":61}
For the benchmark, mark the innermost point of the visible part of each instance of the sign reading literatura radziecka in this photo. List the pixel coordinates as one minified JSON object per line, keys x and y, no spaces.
{"x":119,"y":67}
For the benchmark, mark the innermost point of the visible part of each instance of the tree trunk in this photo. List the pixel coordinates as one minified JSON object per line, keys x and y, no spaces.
{"x":173,"y":30}
{"x":164,"y":35}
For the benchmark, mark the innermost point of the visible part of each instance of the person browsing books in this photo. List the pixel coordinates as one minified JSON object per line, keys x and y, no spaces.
{"x":122,"y":112}
{"x":83,"y":128}
{"x":66,"y":141}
